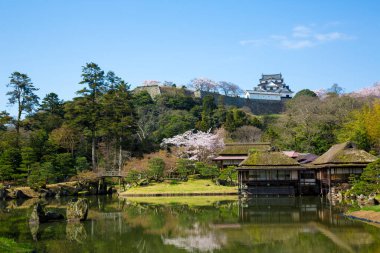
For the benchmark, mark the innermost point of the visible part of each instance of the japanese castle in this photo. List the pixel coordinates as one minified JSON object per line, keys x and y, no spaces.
{"x":271,"y":87}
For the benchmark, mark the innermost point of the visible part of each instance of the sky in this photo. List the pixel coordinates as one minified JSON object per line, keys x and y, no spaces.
{"x":312,"y":43}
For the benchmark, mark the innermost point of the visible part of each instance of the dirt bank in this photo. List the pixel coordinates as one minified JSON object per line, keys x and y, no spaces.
{"x":366,"y":216}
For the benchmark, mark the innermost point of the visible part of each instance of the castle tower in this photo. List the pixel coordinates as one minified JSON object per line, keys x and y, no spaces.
{"x":270,"y":87}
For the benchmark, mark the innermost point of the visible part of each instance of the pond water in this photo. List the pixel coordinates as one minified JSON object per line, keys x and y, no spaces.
{"x":204,"y":224}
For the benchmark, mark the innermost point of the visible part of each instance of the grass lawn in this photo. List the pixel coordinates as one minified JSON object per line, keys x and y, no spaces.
{"x":192,"y":186}
{"x":371,"y":208}
{"x":188,"y":200}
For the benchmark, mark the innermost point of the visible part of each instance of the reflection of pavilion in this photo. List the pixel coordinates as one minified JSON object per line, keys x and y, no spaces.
{"x":289,"y":210}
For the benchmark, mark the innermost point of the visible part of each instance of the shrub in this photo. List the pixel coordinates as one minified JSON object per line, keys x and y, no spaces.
{"x":173,"y":182}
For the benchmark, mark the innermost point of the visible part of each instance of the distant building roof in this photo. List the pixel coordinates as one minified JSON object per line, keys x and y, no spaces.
{"x":244,"y":148}
{"x":306,"y":158}
{"x":291,"y":154}
{"x":344,"y":153}
{"x":230,"y":157}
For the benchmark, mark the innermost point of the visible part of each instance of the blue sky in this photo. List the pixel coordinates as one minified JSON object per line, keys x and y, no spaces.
{"x":312,"y":43}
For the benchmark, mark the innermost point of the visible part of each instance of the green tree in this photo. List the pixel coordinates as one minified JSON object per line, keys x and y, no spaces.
{"x":133,"y":176}
{"x":118,"y":121}
{"x":369,"y":181}
{"x":208,"y":108}
{"x":63,"y":166}
{"x":52,"y":104}
{"x":184,"y":168}
{"x":4,"y":120}
{"x":142,"y":98}
{"x":85,"y":111}
{"x":156,"y":168}
{"x":23,"y":95}
{"x":229,"y":174}
{"x":28,"y":158}
{"x":10,"y":160}
{"x":81,"y":164}
{"x":305,"y":92}
{"x":174,"y":122}
{"x":207,"y":171}
{"x":40,"y":174}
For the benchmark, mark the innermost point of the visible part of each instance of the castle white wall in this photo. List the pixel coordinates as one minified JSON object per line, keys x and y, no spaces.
{"x":263,"y":96}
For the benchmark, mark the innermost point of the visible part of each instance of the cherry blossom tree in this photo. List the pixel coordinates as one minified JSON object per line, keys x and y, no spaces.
{"x":204,"y":84}
{"x":321,"y":93}
{"x":196,"y":145}
{"x":151,"y":83}
{"x":229,"y":89}
{"x":373,"y":91}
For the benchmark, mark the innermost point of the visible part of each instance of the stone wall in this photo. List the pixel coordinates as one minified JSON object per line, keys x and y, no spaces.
{"x":257,"y":106}
{"x":153,"y":90}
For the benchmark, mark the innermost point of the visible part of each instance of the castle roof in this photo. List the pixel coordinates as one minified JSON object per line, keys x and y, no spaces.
{"x":270,"y":77}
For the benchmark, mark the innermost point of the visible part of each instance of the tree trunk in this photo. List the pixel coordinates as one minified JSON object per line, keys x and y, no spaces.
{"x":120,"y":156}
{"x":18,"y":124}
{"x":93,"y":144}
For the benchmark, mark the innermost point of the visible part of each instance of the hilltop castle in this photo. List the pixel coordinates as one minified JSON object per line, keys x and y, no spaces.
{"x":270,"y":87}
{"x":267,"y":98}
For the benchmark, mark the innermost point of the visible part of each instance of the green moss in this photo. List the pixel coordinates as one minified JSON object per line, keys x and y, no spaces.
{"x":268,"y":159}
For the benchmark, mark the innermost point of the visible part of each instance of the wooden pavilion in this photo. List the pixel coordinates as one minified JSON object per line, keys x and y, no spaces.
{"x":339,"y":163}
{"x":234,"y":153}
{"x":275,"y":173}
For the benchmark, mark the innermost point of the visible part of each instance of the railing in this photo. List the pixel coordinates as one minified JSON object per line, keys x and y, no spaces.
{"x":111,"y":173}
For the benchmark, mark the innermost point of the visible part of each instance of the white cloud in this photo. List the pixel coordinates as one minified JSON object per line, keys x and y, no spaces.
{"x":297,"y":44}
{"x":251,"y":42}
{"x":331,"y":36}
{"x":301,"y":31}
{"x":301,"y":36}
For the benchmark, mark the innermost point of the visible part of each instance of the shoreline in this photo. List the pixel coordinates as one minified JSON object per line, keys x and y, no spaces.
{"x":125,"y":194}
{"x":370,"y":217}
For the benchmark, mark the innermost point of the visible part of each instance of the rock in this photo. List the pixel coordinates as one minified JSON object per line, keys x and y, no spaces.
{"x":77,"y":210}
{"x":371,"y":201}
{"x":39,"y":216}
{"x":45,"y":193}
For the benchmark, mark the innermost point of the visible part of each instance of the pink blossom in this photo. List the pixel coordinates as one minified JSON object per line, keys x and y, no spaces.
{"x":199,"y":146}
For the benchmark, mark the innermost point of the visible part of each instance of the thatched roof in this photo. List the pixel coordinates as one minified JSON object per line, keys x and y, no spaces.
{"x":269,"y":160}
{"x":344,"y":153}
{"x":244,"y":148}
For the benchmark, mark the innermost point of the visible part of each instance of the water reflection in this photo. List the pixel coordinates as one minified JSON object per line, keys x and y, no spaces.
{"x":256,"y":225}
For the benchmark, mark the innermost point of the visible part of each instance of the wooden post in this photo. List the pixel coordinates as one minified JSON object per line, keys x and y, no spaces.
{"x":330,"y":181}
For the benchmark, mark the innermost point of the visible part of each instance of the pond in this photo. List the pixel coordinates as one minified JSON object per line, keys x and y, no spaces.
{"x":193,"y":224}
